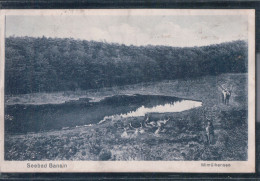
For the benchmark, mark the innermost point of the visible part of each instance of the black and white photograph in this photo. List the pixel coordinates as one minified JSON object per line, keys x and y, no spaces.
{"x":109,"y":87}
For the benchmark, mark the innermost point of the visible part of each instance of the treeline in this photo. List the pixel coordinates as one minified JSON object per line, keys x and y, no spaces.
{"x":54,"y":64}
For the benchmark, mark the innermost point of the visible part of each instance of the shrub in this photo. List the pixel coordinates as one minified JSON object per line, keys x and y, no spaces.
{"x":105,"y":155}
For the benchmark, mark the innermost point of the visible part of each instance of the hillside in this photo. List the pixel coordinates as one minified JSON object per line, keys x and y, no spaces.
{"x":53,"y":64}
{"x":183,"y":138}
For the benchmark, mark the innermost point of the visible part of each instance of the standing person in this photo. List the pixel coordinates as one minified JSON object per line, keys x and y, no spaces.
{"x":210,"y":132}
{"x":224,"y":96}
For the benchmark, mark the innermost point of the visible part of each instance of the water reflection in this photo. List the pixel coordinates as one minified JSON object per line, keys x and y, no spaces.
{"x":177,"y":106}
{"x":170,"y":107}
{"x":83,"y":113}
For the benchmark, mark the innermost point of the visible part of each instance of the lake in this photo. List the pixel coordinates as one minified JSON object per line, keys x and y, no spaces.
{"x":22,"y":118}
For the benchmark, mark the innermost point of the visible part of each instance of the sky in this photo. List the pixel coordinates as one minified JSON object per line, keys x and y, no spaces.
{"x":177,"y":31}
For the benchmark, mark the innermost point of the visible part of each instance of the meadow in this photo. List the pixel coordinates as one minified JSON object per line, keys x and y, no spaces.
{"x":182,"y":137}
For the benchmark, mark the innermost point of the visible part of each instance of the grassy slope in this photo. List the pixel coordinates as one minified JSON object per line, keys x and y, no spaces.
{"x":183,"y":139}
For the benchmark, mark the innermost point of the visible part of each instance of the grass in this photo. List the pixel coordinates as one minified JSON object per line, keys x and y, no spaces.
{"x":183,"y":138}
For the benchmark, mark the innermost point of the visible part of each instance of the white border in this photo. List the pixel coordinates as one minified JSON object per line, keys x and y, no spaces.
{"x":139,"y":166}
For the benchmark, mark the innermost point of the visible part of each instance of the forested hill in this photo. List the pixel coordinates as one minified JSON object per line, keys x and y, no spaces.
{"x":54,"y":64}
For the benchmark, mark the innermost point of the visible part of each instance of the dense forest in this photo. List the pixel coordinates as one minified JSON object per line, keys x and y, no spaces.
{"x":55,"y":64}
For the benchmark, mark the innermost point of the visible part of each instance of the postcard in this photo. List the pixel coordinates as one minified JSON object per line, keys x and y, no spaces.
{"x":127,"y":90}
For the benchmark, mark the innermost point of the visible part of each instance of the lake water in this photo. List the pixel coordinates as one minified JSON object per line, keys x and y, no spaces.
{"x":177,"y":106}
{"x":35,"y":118}
{"x":169,"y":107}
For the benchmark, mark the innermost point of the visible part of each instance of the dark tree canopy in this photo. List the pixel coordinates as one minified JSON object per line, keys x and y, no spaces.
{"x":55,"y":64}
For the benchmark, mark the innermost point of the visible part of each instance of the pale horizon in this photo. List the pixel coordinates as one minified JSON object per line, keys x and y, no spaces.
{"x":175,"y":31}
